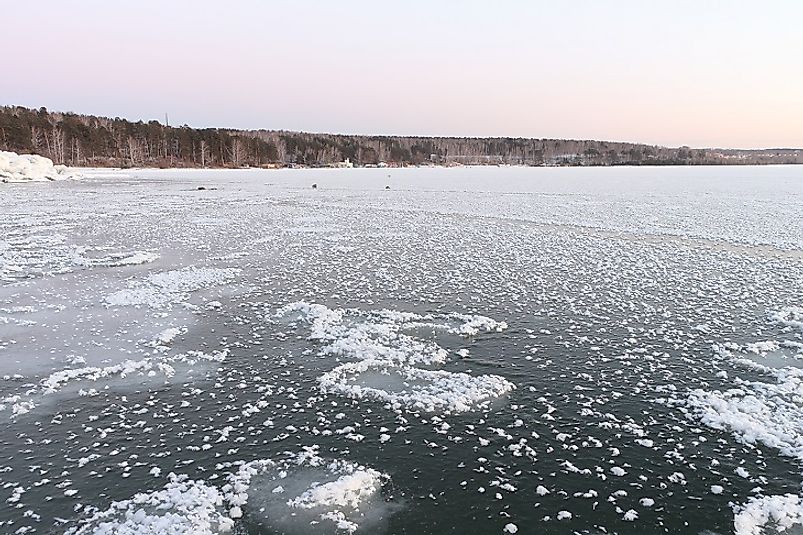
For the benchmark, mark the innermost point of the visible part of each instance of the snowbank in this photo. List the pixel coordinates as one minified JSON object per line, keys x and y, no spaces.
{"x":31,"y":168}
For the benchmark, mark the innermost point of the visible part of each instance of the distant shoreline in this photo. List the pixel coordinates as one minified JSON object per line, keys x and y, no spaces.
{"x":90,"y":141}
{"x":395,"y":168}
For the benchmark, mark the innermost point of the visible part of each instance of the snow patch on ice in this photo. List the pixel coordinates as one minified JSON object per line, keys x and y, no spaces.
{"x":777,"y":512}
{"x":303,"y":490}
{"x":760,"y":412}
{"x":182,"y":507}
{"x":86,"y":378}
{"x":383,"y":334}
{"x":414,"y":388}
{"x":349,"y":490}
{"x":387,"y":345}
{"x":756,"y":411}
{"x":166,"y":337}
{"x":791,"y":316}
{"x":114,"y":259}
{"x":162,"y":289}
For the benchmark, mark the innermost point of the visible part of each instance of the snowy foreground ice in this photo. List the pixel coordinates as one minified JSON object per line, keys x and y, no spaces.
{"x":493,"y":350}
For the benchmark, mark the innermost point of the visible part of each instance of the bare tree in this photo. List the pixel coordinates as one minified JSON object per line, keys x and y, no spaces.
{"x":236,"y":152}
{"x":57,"y":144}
{"x":204,"y":153}
{"x":75,"y":151}
{"x":36,"y":138}
{"x":134,"y":150}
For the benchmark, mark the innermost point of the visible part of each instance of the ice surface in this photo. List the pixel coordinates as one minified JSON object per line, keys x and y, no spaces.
{"x":598,"y":293}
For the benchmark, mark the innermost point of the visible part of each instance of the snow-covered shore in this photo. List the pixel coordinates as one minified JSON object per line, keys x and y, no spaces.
{"x":32,"y":168}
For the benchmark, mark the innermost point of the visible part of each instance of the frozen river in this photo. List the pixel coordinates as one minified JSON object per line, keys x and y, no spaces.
{"x":473,"y":350}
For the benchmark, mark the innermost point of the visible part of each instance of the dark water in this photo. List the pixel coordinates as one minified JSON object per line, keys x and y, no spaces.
{"x":607,"y":334}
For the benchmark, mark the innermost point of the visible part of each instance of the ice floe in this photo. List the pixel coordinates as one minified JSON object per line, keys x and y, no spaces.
{"x":163,"y":289}
{"x":388,"y":345}
{"x":305,"y":493}
{"x":182,"y":507}
{"x":86,"y":381}
{"x":413,"y":388}
{"x":770,"y":514}
{"x":760,"y":412}
{"x":383,"y":334}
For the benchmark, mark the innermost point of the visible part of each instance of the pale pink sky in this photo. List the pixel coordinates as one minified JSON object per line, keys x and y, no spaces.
{"x":714,"y":73}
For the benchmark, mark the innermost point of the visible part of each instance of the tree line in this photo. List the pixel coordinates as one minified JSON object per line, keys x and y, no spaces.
{"x":86,"y":140}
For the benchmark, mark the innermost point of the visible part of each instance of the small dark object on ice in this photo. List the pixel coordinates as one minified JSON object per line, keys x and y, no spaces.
{"x":201,"y":188}
{"x":387,"y":187}
{"x":315,"y":186}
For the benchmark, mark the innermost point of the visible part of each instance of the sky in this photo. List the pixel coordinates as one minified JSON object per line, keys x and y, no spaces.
{"x":702,"y":73}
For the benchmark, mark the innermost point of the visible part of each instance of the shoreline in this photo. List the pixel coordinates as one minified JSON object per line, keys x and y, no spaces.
{"x":397,"y":168}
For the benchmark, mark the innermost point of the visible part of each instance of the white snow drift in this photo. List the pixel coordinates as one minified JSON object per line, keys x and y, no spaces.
{"x":31,"y":168}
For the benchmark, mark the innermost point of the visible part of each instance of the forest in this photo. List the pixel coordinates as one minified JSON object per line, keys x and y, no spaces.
{"x":86,"y":140}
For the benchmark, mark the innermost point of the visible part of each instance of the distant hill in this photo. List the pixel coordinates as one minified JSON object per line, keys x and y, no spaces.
{"x":86,"y":140}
